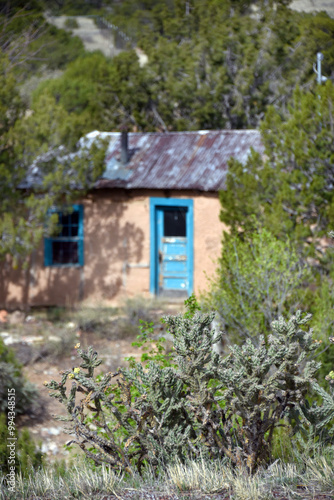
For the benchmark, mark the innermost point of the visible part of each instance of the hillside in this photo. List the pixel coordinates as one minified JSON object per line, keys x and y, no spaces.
{"x":314,"y":6}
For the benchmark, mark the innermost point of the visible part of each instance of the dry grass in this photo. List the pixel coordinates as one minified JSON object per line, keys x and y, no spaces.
{"x":308,"y":479}
{"x":78,"y":482}
{"x":206,"y":477}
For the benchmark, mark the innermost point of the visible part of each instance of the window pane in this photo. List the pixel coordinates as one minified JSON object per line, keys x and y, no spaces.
{"x":74,"y":230}
{"x":175,"y":222}
{"x":65,"y":231}
{"x":68,"y":224}
{"x":74,"y":224}
{"x":65,"y":252}
{"x":74,"y":218}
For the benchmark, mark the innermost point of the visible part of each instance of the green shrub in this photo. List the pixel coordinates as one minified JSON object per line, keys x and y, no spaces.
{"x":27,"y":455}
{"x":26,"y":396}
{"x":56,"y":49}
{"x":71,"y":23}
{"x":11,"y":377}
{"x":258,"y":279}
{"x":206,"y":405}
{"x":135,"y":310}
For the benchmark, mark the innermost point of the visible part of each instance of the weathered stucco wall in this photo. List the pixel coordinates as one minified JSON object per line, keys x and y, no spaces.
{"x":116,"y":253}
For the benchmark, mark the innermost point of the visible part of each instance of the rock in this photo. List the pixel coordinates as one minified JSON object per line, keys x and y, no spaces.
{"x":53,"y":448}
{"x":54,"y":431}
{"x":54,"y":338}
{"x":9,"y":339}
{"x":52,"y":371}
{"x":44,"y":448}
{"x":30,"y":319}
{"x":49,"y":447}
{"x":16,"y":318}
{"x":32,"y":339}
{"x":23,"y":353}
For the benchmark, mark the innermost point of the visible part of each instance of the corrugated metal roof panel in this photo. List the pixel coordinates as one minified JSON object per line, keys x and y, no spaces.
{"x":176,"y":160}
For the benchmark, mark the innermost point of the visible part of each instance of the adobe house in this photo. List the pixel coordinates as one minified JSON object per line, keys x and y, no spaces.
{"x":150,"y":226}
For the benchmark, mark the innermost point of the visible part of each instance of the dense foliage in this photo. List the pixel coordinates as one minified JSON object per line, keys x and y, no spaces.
{"x":210,"y":65}
{"x":276,"y":255}
{"x":25,"y":395}
{"x":28,"y":190}
{"x":220,"y":64}
{"x":289,"y":191}
{"x":257,"y":281}
{"x":28,"y":456}
{"x":11,"y":377}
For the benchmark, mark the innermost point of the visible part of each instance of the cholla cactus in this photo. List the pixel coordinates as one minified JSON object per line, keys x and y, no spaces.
{"x":207,"y":405}
{"x":264,"y":384}
{"x":125,"y":418}
{"x":321,"y":416}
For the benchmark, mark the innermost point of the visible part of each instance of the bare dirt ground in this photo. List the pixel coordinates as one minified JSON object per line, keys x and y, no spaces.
{"x":95,"y":38}
{"x":92,"y":37}
{"x":314,"y":5}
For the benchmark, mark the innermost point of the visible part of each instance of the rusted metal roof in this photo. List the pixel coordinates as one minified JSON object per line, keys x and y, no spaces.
{"x":175,"y":160}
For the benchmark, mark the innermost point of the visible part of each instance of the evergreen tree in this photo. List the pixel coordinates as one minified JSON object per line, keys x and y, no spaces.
{"x":258,"y":280}
{"x":289,"y":190}
{"x":27,"y":194}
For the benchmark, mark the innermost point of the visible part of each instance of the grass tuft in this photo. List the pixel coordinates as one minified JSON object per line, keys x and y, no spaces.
{"x":193,"y":479}
{"x":208,"y":477}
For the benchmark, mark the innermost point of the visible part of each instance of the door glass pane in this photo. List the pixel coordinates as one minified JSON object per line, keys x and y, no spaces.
{"x":175,"y":222}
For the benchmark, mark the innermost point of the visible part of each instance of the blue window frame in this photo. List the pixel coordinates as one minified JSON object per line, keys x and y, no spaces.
{"x":171,"y":246}
{"x":66,"y":247}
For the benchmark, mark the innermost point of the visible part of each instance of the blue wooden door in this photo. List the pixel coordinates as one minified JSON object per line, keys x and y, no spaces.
{"x":173,"y":251}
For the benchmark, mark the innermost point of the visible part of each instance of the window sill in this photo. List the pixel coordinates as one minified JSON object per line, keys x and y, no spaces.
{"x":64,"y":265}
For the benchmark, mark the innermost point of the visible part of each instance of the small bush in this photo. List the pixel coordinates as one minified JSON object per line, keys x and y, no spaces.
{"x":135,"y":310}
{"x":259,"y":278}
{"x":27,"y":455}
{"x":11,"y":377}
{"x":71,"y":23}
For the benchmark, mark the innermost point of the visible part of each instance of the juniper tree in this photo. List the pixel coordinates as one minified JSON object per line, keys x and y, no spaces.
{"x":289,"y":190}
{"x":258,"y":278}
{"x":28,"y":189}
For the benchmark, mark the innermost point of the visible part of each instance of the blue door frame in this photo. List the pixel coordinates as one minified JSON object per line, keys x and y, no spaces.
{"x":171,"y":259}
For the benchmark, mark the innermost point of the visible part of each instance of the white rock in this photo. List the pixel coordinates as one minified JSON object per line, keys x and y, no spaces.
{"x":10,"y":340}
{"x":49,"y":372}
{"x":54,"y":338}
{"x":54,"y":431}
{"x":31,"y":339}
{"x":44,"y":448}
{"x":30,"y":319}
{"x":53,"y":447}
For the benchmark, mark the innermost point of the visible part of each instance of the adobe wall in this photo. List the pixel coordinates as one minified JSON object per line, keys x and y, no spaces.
{"x":116,"y":253}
